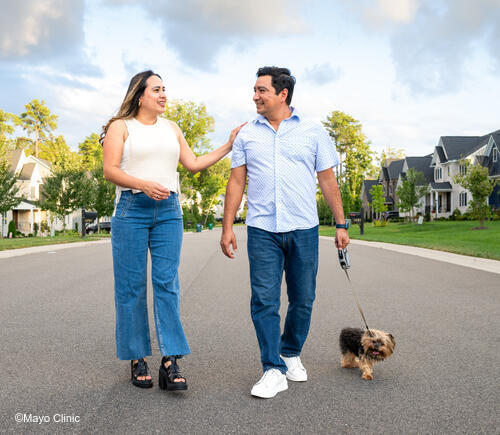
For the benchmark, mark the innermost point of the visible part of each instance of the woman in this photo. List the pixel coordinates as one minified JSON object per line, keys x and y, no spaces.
{"x":141,"y":151}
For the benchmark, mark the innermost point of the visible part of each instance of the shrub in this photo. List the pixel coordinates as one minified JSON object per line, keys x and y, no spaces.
{"x":12,"y":229}
{"x":427,"y":217}
{"x":35,"y":229}
{"x":44,"y":226}
{"x":456,"y":215}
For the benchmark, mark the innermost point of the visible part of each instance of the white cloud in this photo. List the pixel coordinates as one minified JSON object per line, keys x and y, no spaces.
{"x":431,"y":42}
{"x":398,"y":11}
{"x":38,"y":28}
{"x":199,"y":29}
{"x":322,"y":74}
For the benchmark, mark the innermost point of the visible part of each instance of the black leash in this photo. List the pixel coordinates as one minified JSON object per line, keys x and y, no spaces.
{"x":345,"y":263}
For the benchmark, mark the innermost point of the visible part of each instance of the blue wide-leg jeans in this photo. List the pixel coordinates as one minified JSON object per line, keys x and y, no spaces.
{"x":141,"y":223}
{"x":271,"y":254}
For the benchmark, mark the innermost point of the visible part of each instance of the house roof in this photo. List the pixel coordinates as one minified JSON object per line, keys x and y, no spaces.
{"x":385,"y":173}
{"x":395,"y":168}
{"x":459,"y":147}
{"x":13,"y":157}
{"x":422,"y":164}
{"x":441,"y":186}
{"x":27,"y":171}
{"x":440,"y":151}
{"x":367,"y":185}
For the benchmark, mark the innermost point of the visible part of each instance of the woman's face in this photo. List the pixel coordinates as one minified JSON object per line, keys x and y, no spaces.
{"x":154,"y":99}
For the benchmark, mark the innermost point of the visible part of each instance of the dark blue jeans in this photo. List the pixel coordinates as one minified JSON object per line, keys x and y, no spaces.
{"x":269,"y":254}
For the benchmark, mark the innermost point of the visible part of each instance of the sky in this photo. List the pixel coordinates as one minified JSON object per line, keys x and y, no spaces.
{"x":409,"y":71}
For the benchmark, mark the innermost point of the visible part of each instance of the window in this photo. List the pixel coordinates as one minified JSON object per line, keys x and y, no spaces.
{"x":390,"y":190}
{"x":448,"y":171}
{"x":439,"y":173}
{"x":495,"y":154}
{"x":463,"y":169}
{"x":462,"y":200}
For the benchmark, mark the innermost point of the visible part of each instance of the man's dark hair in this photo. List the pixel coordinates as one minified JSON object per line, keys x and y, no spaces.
{"x":281,"y":79}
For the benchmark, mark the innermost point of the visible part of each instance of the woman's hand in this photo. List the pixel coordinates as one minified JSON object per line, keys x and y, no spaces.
{"x":155,"y":190}
{"x":233,"y":135}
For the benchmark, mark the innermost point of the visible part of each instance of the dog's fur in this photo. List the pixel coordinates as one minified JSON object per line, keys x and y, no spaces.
{"x":364,"y":348}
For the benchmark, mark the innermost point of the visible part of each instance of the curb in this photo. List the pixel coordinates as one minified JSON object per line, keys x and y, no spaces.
{"x":48,"y":248}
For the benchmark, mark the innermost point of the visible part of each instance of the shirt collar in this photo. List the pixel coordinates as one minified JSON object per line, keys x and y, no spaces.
{"x":295,"y":114}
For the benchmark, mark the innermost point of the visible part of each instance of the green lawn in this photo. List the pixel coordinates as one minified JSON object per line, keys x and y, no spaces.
{"x":451,"y":236}
{"x":27,"y":242}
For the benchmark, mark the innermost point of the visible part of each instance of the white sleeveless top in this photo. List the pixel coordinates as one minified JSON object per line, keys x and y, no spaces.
{"x":151,"y":152}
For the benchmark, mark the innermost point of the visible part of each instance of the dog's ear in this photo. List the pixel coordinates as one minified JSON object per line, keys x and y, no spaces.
{"x":392,"y":339}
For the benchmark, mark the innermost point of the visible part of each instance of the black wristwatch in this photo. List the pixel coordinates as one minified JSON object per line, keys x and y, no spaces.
{"x":345,"y":226}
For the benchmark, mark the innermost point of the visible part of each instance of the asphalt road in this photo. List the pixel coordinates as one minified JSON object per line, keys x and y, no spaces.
{"x":58,"y":361}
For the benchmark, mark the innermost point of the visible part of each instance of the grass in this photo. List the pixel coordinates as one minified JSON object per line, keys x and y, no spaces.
{"x":28,"y":242}
{"x":458,"y":237}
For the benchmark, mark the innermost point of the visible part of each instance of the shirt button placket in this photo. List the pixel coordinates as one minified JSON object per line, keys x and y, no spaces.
{"x":276,"y":182}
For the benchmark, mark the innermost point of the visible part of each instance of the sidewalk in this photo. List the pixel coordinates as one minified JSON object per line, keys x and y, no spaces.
{"x":484,"y":264}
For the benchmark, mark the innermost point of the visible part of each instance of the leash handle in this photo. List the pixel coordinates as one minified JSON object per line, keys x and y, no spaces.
{"x":344,"y":259}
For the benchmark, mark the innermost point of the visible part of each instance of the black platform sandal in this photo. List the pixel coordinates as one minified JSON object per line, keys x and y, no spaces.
{"x":169,"y":374}
{"x":140,"y":368}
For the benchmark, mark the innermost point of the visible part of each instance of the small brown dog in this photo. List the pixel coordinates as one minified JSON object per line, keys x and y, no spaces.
{"x":364,"y":348}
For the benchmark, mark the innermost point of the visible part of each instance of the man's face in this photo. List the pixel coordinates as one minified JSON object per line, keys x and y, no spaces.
{"x":265,"y":98}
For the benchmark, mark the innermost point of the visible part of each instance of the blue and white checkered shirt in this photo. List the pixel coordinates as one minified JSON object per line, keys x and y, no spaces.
{"x":281,"y":168}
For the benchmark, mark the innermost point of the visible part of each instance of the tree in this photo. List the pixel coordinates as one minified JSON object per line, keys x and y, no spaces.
{"x":64,"y":191}
{"x":476,"y":181}
{"x":411,"y":190}
{"x":353,"y":149}
{"x":390,"y":154}
{"x":325,"y":215}
{"x":57,"y":152}
{"x":211,"y":182}
{"x":378,"y":200}
{"x":91,"y":151}
{"x":194,"y":122}
{"x":8,"y":187}
{"x":37,"y":120}
{"x":102,"y":194}
{"x":5,"y":128}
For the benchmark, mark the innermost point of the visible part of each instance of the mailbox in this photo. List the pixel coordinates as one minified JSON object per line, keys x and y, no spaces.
{"x":87,"y":216}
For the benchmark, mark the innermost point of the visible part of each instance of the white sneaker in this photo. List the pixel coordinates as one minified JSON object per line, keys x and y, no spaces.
{"x":296,"y":371}
{"x":271,"y":383}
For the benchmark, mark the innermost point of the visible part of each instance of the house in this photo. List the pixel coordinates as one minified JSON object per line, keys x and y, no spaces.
{"x":445,"y":194}
{"x":439,"y":169}
{"x":420,"y":164}
{"x":31,"y":172}
{"x":389,"y":176}
{"x":219,"y":207}
{"x":366,"y":198}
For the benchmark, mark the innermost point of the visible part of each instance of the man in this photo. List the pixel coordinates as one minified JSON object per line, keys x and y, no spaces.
{"x":280,"y":151}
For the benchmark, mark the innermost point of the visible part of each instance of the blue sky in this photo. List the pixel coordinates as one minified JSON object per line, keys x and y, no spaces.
{"x":409,"y":70}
